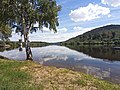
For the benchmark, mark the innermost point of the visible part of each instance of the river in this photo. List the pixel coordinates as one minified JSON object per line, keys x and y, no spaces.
{"x":100,"y":61}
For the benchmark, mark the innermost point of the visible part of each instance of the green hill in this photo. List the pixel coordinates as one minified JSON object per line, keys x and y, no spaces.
{"x":109,"y":34}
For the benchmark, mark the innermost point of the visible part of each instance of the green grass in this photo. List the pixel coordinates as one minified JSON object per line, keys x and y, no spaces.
{"x":12,"y":78}
{"x":79,"y":82}
{"x":27,"y":75}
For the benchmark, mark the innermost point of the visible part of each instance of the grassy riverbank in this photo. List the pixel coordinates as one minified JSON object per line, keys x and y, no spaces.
{"x":27,"y":75}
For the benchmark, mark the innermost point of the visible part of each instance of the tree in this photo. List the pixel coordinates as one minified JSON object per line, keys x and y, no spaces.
{"x":23,"y":14}
{"x":5,"y":32}
{"x":113,"y":34}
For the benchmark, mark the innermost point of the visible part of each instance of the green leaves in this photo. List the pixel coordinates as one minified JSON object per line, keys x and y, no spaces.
{"x":5,"y":30}
{"x":44,"y":12}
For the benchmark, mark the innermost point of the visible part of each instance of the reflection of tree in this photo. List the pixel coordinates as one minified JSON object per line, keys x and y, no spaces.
{"x":102,"y":52}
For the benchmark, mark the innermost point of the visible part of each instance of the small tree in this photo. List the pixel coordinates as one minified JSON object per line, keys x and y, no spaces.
{"x":5,"y":32}
{"x":23,"y":14}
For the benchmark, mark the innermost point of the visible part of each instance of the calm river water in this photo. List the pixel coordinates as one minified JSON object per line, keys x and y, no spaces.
{"x":100,"y":61}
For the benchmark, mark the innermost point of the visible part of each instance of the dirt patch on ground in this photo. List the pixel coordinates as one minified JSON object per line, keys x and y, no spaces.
{"x":51,"y":78}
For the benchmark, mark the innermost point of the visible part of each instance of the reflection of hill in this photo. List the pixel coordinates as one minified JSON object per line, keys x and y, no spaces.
{"x":102,"y":52}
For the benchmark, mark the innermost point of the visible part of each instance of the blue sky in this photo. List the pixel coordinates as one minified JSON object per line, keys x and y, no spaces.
{"x":77,"y":17}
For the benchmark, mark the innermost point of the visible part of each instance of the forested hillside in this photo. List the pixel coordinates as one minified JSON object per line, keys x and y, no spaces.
{"x":106,"y":34}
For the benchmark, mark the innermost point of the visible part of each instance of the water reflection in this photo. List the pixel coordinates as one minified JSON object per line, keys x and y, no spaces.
{"x":92,"y":61}
{"x":102,"y":52}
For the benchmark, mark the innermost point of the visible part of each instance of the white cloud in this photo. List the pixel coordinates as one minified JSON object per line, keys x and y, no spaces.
{"x":82,"y":30}
{"x":62,"y":35}
{"x":59,"y":30}
{"x":62,"y":30}
{"x":109,"y":15}
{"x":90,"y":12}
{"x":114,"y":3}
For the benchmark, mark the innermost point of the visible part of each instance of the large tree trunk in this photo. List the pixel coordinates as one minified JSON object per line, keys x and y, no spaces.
{"x":27,"y":42}
{"x":27,"y":48}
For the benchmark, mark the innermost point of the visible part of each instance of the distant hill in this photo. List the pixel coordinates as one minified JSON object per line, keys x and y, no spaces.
{"x":105,"y":34}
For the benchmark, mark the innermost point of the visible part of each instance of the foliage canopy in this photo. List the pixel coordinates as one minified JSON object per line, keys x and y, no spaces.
{"x":25,"y":13}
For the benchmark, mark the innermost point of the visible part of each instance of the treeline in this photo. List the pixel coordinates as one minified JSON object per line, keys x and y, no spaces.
{"x":109,"y":34}
{"x":15,"y":44}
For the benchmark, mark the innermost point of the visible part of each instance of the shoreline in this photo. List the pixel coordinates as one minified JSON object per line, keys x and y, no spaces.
{"x":50,"y":78}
